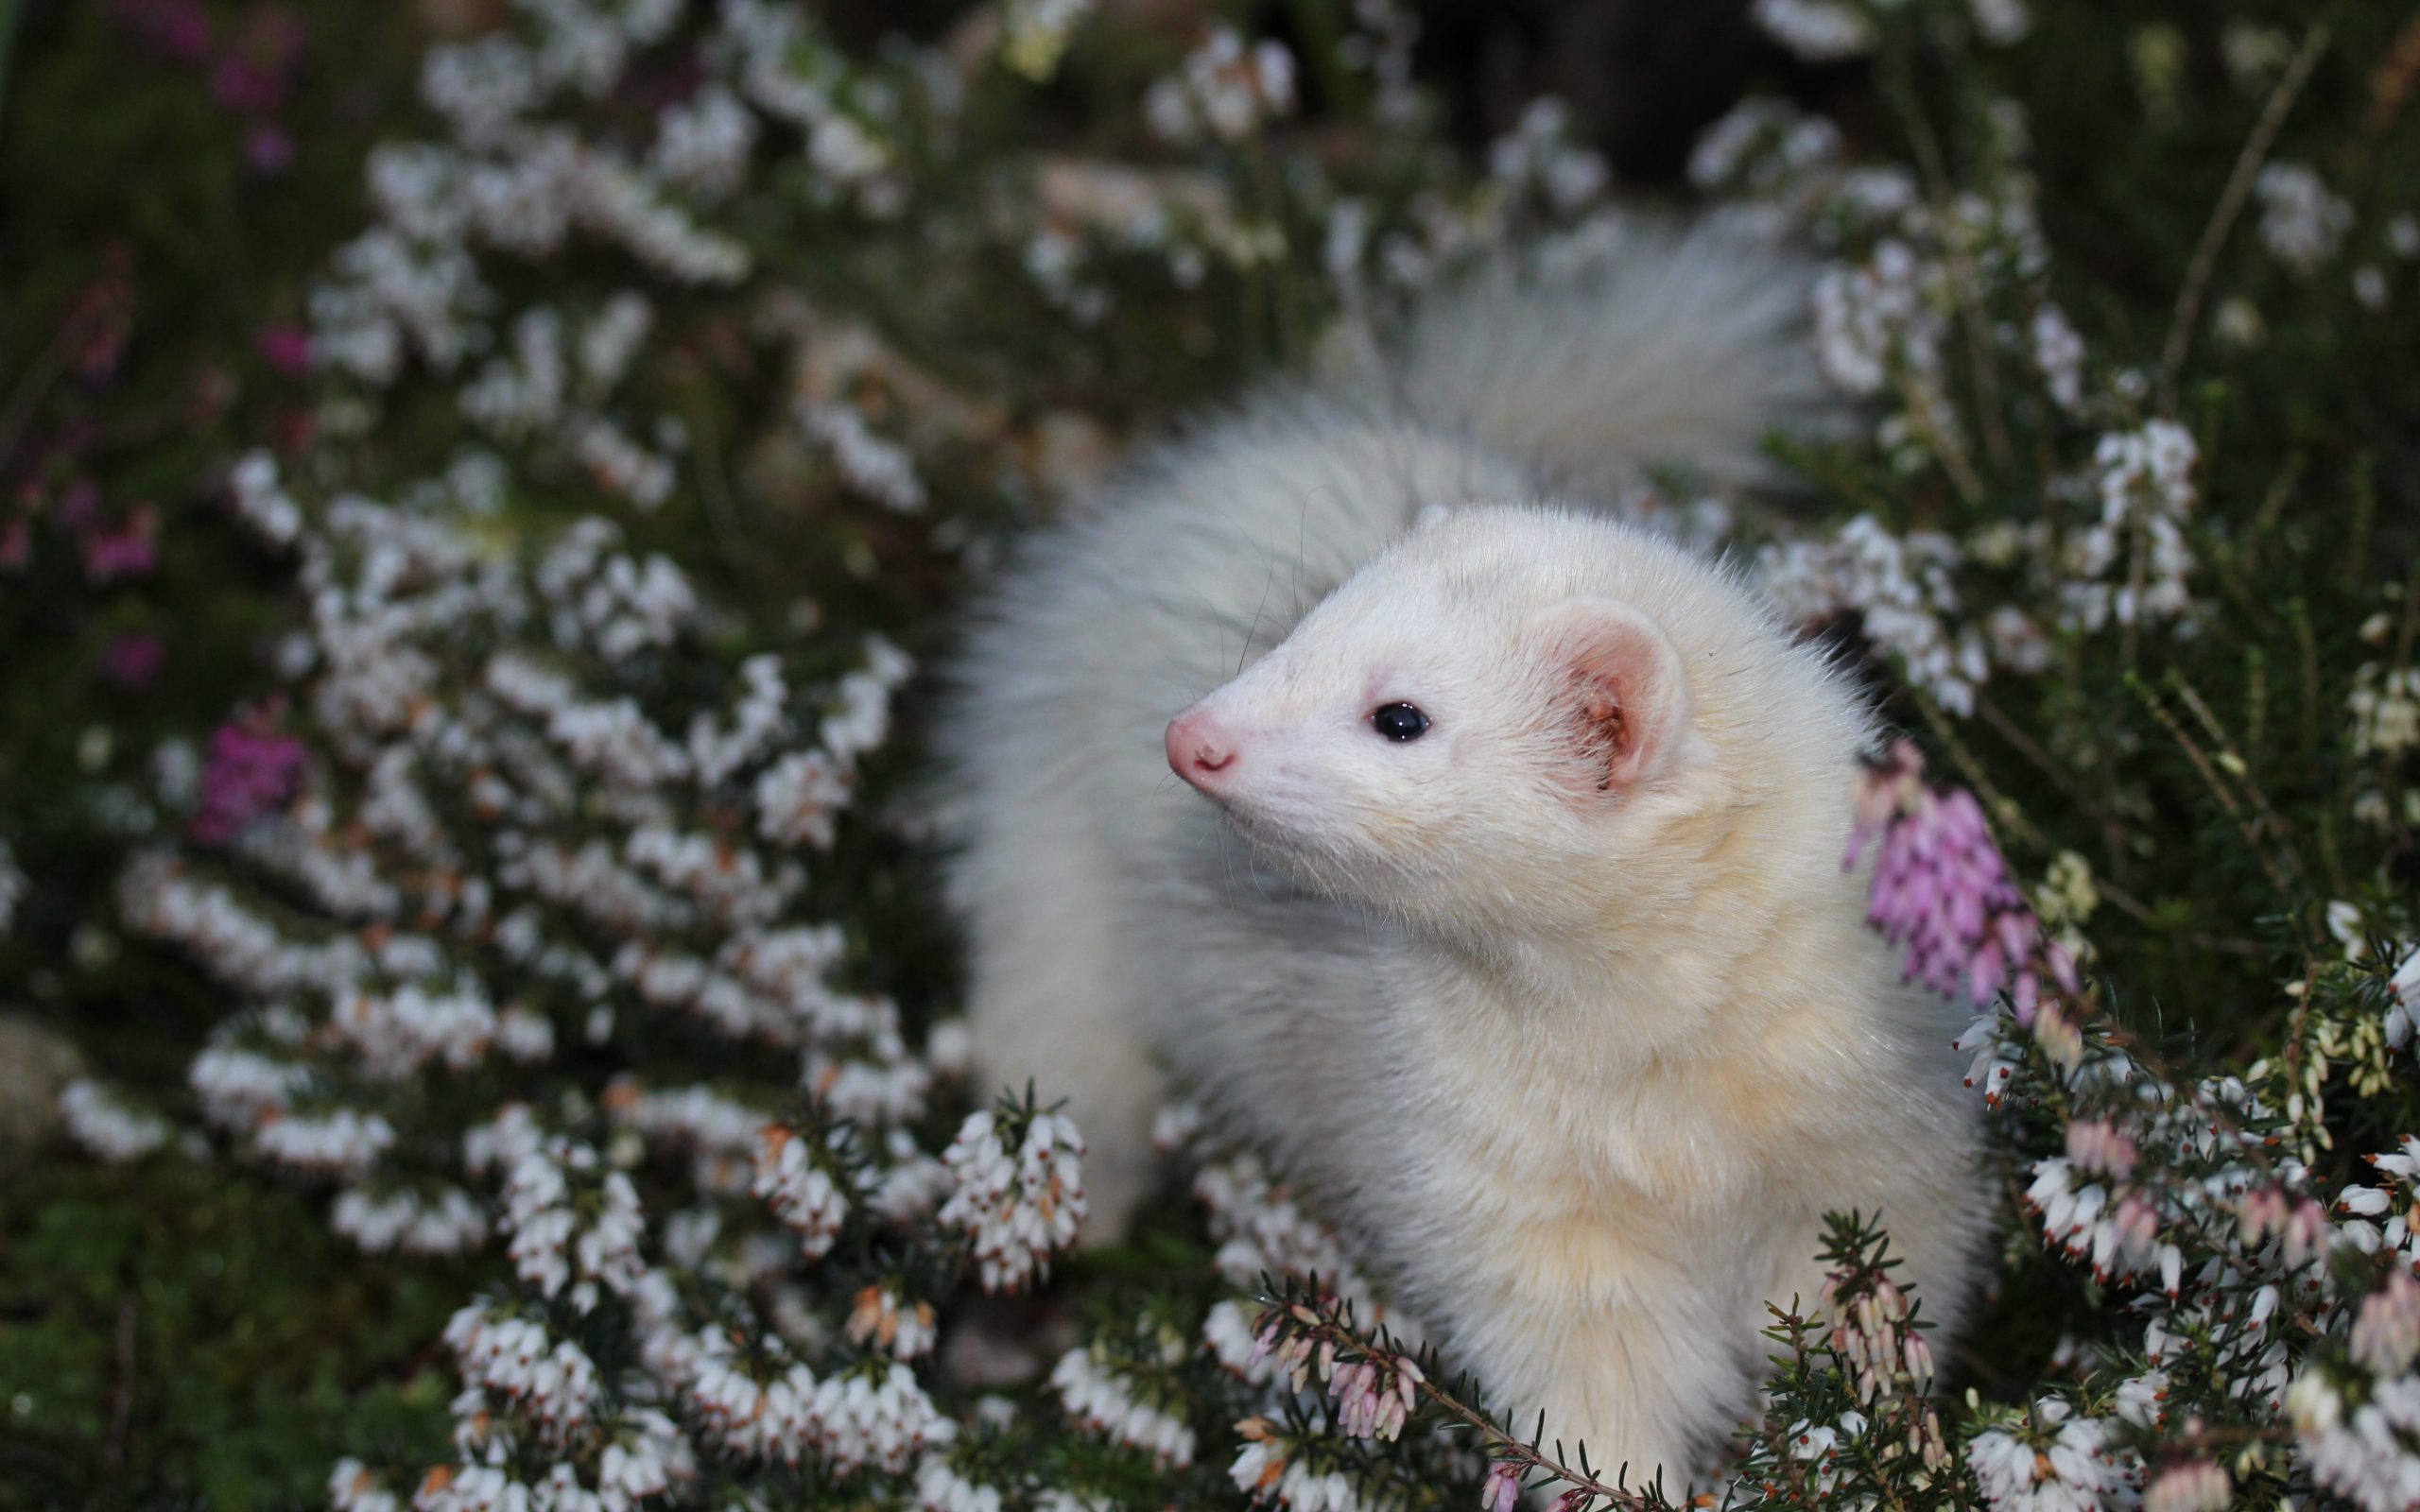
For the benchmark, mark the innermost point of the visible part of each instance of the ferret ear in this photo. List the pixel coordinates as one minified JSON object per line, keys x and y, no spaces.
{"x":1617,"y":692}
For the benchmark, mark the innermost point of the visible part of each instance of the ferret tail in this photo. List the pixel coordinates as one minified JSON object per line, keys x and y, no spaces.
{"x":1626,"y":344}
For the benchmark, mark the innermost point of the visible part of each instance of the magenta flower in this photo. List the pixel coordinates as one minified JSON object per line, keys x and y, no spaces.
{"x":254,"y":72}
{"x":1942,"y":890}
{"x":251,"y":769}
{"x":133,"y":659}
{"x":179,"y":29}
{"x":127,"y":551}
{"x":285,"y":347}
{"x":267,"y":150}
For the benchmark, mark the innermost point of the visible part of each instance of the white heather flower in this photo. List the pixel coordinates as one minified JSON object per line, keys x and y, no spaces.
{"x":551,"y":1248}
{"x":503,"y":1141}
{"x":1267,"y":1471}
{"x":1878,"y":318}
{"x":2017,"y":643}
{"x":631,"y":1461}
{"x":1901,"y":587}
{"x":1175,"y":1124}
{"x":2238,"y":323}
{"x":2364,"y":1452}
{"x":949,"y":1048}
{"x":1015,"y":1208}
{"x":2386,"y":1332}
{"x":620,"y":204}
{"x":2192,"y":1486}
{"x":2145,"y":482}
{"x":879,"y":469}
{"x":352,"y":1488}
{"x":1033,"y":37}
{"x":396,"y":1033}
{"x":942,"y":1489}
{"x":1768,"y":147}
{"x":621,"y":465}
{"x":702,"y":144}
{"x":2403,"y":1020}
{"x":911,"y":1184}
{"x":2254,"y":55}
{"x":261,"y":501}
{"x":1229,"y":1334}
{"x":872,"y":1415}
{"x":720,"y":1133}
{"x":2370,"y":287}
{"x":2385,"y":704}
{"x":551,"y":1380}
{"x":1540,"y":153}
{"x":2059,"y":1462}
{"x":342,"y":1141}
{"x":409,"y":1221}
{"x":801,"y":1191}
{"x":2058,"y":353}
{"x":878,"y":1417}
{"x":2138,"y":1400}
{"x":2302,"y":221}
{"x":481,"y":88}
{"x":881,"y":1318}
{"x":1225,"y":90}
{"x":763,"y":1418}
{"x":1870,"y":197}
{"x":2002,"y":22}
{"x":1819,"y":31}
{"x":108,"y":1126}
{"x":1260,"y":1229}
{"x":1106,"y":1400}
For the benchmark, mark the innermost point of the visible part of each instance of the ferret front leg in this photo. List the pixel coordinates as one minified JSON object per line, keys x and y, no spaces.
{"x":1646,"y":1383}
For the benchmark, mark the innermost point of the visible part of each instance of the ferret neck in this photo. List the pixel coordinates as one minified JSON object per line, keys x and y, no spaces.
{"x":1694,"y":976}
{"x":1539,"y":975}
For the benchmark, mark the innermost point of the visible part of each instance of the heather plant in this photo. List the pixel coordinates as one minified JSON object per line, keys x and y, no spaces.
{"x":552,"y":891}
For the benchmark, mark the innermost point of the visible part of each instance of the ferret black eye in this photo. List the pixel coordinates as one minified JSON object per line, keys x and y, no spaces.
{"x":1399,"y":721}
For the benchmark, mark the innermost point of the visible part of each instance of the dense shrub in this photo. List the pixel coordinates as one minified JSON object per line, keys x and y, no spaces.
{"x":448,"y":767}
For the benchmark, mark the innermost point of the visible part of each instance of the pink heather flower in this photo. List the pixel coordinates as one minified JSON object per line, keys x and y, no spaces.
{"x":2194,"y":1486}
{"x":250,"y":770}
{"x":127,"y":551}
{"x":2386,"y":1333}
{"x":80,"y":506}
{"x":1501,"y":1490}
{"x":133,"y":659}
{"x":2095,"y":1146}
{"x":285,"y":347}
{"x":178,"y":30}
{"x":255,"y":70}
{"x":267,"y":150}
{"x":1942,"y":890}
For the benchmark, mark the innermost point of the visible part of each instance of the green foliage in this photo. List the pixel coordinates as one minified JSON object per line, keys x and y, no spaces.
{"x":173,"y":1332}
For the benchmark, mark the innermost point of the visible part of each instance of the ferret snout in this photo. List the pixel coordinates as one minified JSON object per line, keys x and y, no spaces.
{"x":1200,"y":751}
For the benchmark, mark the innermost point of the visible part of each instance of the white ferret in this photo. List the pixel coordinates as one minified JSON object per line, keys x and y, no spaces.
{"x":1514,"y":925}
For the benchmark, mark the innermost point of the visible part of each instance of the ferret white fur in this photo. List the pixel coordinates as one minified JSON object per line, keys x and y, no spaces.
{"x":1565,"y":1011}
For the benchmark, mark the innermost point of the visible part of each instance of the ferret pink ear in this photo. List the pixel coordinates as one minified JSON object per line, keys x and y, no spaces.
{"x":1618,"y":692}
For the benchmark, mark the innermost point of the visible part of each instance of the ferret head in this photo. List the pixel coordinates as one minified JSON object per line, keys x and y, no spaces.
{"x":1509,"y":721}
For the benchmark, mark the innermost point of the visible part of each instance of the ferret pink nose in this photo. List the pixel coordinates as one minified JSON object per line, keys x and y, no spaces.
{"x":1199,"y":751}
